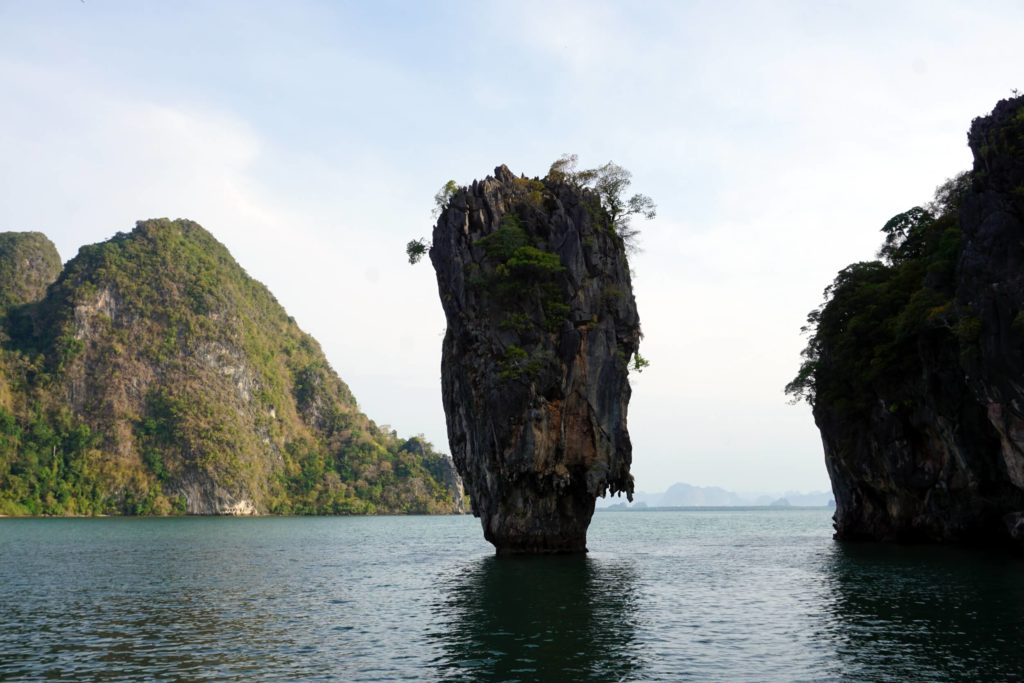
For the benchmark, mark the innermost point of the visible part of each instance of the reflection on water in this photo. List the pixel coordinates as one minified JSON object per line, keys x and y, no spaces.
{"x":901,"y":613}
{"x":509,"y":619}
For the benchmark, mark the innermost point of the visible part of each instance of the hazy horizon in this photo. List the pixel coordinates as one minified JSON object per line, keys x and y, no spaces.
{"x":310,"y":138}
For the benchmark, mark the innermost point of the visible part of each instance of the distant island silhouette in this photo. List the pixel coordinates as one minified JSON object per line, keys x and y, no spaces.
{"x":687,"y":495}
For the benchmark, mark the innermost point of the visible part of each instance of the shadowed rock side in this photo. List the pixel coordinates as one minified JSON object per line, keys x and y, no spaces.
{"x":927,"y":441}
{"x":542,"y":322}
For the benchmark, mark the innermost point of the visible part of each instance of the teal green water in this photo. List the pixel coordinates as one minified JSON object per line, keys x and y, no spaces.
{"x":732,"y":595}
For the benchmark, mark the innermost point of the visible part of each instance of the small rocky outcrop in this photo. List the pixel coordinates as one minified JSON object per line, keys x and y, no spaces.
{"x":542,"y":322}
{"x":29,"y":263}
{"x":916,"y":368}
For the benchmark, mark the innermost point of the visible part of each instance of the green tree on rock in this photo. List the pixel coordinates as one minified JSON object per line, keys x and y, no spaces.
{"x":611,"y":183}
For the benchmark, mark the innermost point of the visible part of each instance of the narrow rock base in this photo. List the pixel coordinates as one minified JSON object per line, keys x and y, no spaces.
{"x":524,"y":525}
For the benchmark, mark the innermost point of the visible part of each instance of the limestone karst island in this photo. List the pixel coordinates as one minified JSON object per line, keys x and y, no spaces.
{"x":542,"y":328}
{"x":915,"y":364}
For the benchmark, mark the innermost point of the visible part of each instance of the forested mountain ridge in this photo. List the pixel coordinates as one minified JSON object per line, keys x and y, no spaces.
{"x":154,"y":376}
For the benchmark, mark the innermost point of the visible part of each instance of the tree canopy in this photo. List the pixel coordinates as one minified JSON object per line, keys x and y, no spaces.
{"x":611,"y":183}
{"x":862,"y":337}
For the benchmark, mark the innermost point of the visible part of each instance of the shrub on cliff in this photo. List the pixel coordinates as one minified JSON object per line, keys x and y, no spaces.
{"x":609,"y":183}
{"x":862,"y":338}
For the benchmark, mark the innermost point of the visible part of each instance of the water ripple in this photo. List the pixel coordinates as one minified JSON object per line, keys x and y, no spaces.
{"x":670,"y":596}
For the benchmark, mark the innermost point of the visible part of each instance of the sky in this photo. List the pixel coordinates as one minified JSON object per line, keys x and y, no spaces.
{"x":310,"y":137}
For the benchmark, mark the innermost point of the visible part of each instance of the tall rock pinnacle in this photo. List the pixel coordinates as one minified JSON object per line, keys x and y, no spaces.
{"x":542,"y":323}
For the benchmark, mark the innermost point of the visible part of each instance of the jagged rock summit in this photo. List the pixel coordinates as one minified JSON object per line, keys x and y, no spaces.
{"x":916,"y":367}
{"x":28,"y":264}
{"x":542,"y":323}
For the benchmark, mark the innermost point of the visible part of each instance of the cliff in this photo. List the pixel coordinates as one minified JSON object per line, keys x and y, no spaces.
{"x":915,"y":366}
{"x":535,"y":285}
{"x":154,"y":376}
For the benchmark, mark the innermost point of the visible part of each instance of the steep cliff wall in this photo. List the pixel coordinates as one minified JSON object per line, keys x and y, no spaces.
{"x":542,"y":322}
{"x":156,"y":376}
{"x":990,"y":288}
{"x":916,"y":365}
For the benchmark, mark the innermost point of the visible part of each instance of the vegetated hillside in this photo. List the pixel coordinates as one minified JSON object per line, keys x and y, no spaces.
{"x":915,"y":364}
{"x":156,"y":377}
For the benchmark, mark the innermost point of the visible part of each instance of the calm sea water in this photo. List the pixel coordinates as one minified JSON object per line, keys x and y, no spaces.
{"x":737,"y":595}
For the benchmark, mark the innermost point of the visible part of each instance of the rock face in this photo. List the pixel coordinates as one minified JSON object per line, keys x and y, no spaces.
{"x":930,"y":446}
{"x":154,"y":376}
{"x":542,"y":322}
